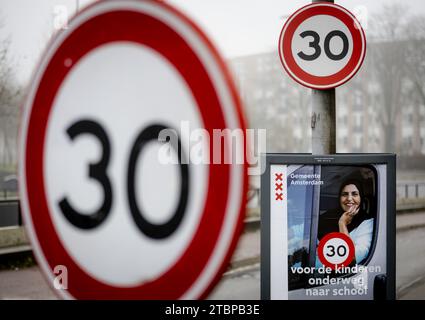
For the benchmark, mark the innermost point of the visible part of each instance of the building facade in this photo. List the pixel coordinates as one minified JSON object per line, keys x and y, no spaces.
{"x":375,"y":112}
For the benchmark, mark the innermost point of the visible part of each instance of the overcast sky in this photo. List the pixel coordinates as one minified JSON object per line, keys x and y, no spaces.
{"x":237,"y":27}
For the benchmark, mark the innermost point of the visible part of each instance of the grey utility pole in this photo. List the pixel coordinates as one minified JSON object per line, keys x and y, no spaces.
{"x":323,"y":119}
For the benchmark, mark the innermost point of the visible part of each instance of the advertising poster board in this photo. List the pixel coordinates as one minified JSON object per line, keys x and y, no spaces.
{"x":328,"y":227}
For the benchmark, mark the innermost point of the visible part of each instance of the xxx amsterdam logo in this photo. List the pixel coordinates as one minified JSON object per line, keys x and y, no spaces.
{"x":278,"y":186}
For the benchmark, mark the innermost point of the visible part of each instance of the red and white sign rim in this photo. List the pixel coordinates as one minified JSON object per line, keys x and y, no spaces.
{"x":338,"y":235}
{"x":342,"y":76}
{"x":211,"y":84}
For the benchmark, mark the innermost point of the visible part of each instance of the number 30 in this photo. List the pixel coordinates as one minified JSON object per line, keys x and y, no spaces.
{"x":340,"y":251}
{"x":98,"y":171}
{"x":317,"y":50}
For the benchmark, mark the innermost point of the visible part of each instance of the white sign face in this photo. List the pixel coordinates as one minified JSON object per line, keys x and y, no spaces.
{"x":69,"y":159}
{"x":339,"y":46}
{"x":97,"y":197}
{"x":322,"y":45}
{"x":336,"y":251}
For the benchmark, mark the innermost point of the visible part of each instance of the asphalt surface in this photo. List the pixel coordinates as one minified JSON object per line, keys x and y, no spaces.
{"x":24,"y":284}
{"x":410,"y":265}
{"x":410,"y":272}
{"x":243,"y":282}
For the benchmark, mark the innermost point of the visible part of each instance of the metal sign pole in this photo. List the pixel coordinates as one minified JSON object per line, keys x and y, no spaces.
{"x":323,"y":119}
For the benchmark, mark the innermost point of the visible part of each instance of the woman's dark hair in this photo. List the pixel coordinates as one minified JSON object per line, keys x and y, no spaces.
{"x":362,"y":215}
{"x":329,"y":220}
{"x":358,"y":185}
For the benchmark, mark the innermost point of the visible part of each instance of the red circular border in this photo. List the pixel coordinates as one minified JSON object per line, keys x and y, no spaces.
{"x":140,"y":28}
{"x":343,"y":237}
{"x":309,"y":80}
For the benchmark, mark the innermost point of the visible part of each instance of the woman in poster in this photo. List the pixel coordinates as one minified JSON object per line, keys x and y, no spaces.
{"x":354,"y":221}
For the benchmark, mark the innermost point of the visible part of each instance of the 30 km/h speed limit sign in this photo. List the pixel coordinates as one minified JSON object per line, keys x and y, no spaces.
{"x":336,"y":250}
{"x":322,"y":45}
{"x":95,"y":197}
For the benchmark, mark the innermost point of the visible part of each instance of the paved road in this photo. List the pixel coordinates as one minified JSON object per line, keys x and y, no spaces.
{"x":411,"y":264}
{"x":410,"y":274}
{"x":245,"y":284}
{"x":24,"y":284}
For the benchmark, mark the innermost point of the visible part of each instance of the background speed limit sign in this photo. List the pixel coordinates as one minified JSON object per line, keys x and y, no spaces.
{"x":322,"y":45}
{"x":336,"y":250}
{"x":95,"y":198}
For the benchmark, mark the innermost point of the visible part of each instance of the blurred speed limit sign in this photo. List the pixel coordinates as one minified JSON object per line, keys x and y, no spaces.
{"x":322,"y":45}
{"x":99,"y":197}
